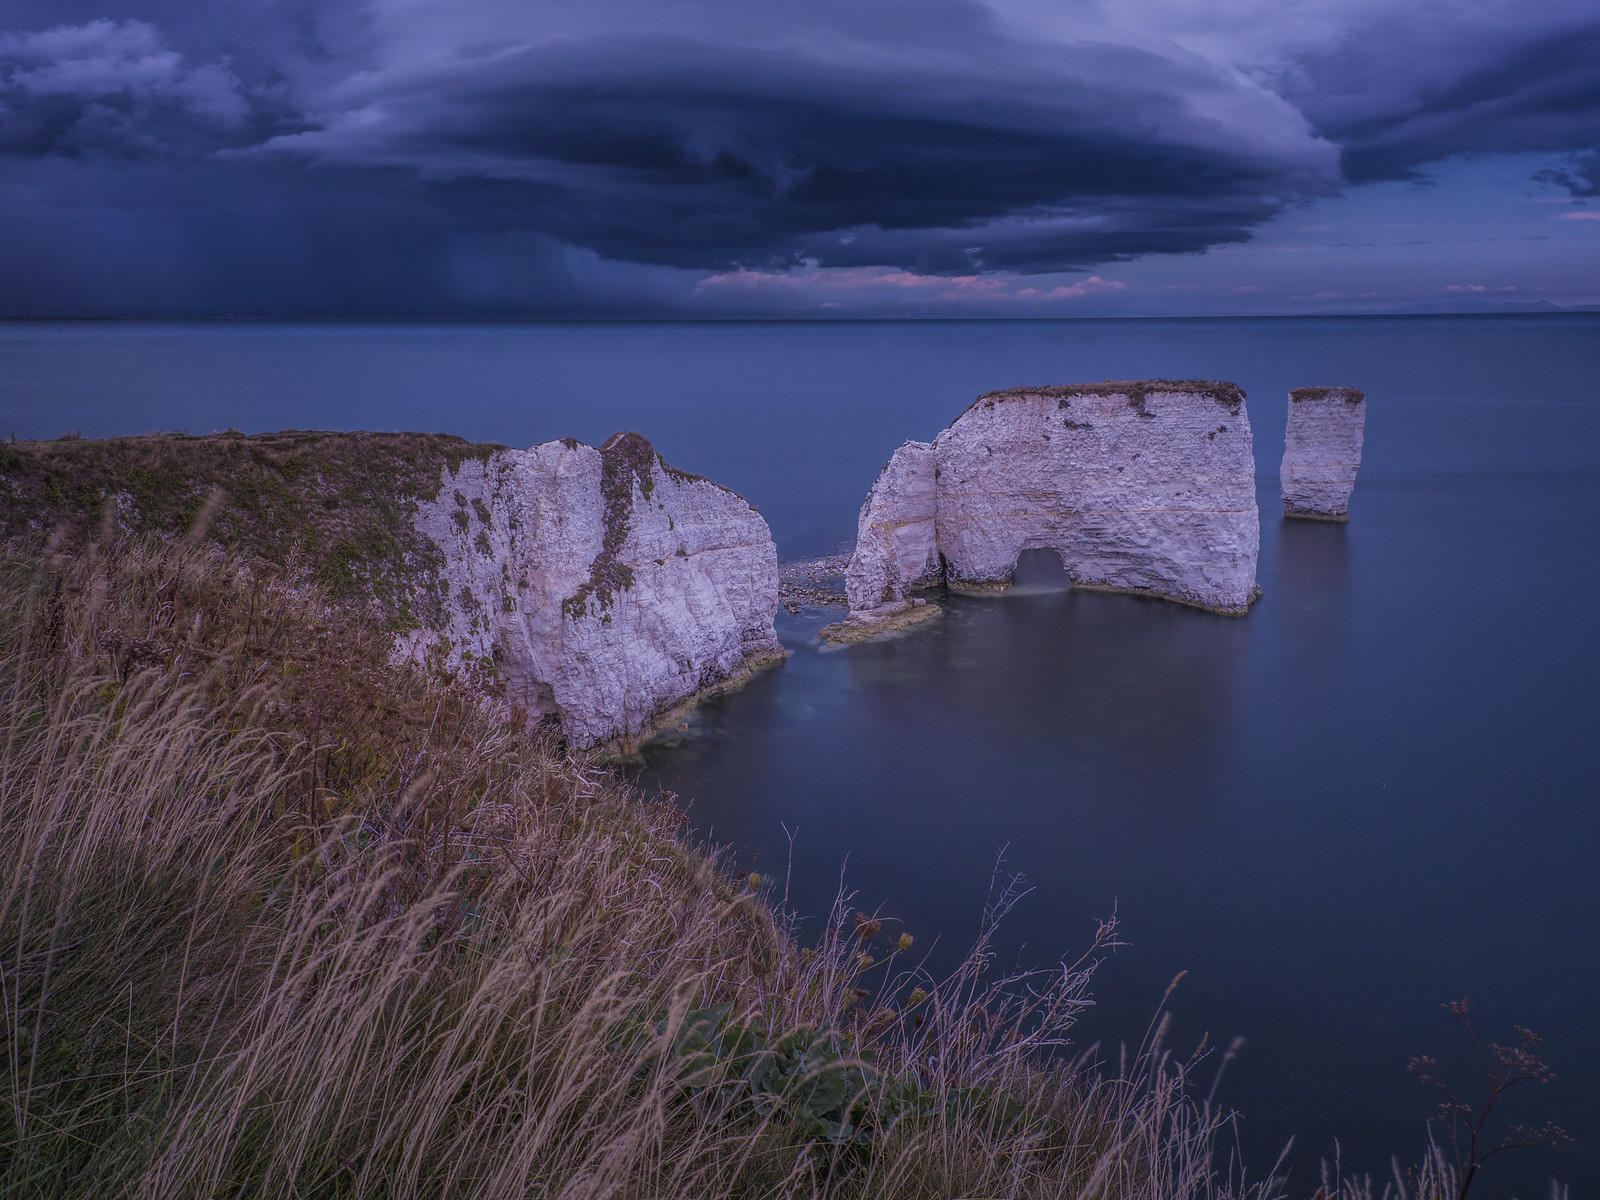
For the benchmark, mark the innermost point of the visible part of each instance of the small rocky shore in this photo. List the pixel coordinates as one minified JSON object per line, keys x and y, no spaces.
{"x":813,"y":583}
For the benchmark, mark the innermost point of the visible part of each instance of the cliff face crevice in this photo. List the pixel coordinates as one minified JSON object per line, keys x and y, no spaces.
{"x":1322,"y":452}
{"x":1142,"y":487}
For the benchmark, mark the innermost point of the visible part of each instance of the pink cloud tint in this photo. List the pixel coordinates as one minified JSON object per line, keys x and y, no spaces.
{"x":864,"y":283}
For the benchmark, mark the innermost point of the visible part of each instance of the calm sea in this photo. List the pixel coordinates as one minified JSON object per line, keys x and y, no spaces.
{"x":1378,"y":792}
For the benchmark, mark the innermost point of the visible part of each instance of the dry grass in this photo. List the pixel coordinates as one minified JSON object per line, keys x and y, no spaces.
{"x":339,"y":503}
{"x":280,"y":920}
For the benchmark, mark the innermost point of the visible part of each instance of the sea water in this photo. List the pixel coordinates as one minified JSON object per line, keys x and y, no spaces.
{"x":1376,"y":793}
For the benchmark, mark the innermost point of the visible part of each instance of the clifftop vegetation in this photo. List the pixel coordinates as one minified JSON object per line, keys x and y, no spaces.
{"x":339,"y":503}
{"x":1348,"y":395}
{"x":1228,"y":395}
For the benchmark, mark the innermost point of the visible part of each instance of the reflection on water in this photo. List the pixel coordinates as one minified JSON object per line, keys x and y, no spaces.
{"x":1123,"y":685}
{"x":1314,"y":553}
{"x":1311,"y":588}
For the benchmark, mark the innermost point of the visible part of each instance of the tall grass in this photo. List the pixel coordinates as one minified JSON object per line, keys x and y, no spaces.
{"x":279,"y":919}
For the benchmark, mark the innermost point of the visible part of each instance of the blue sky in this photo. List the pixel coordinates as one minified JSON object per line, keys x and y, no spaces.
{"x":733,"y":157}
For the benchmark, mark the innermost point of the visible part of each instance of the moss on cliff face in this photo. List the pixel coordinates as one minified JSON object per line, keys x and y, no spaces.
{"x":341,"y":503}
{"x":626,"y":459}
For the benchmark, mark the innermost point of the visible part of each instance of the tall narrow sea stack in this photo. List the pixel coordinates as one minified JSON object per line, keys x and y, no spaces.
{"x":1145,"y":487}
{"x":1322,"y":452}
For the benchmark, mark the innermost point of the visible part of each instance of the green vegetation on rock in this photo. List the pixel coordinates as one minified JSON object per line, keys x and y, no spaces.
{"x":1348,"y":395}
{"x":626,"y":461}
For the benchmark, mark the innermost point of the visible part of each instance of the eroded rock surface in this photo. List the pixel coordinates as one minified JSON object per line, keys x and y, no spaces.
{"x":606,"y":587}
{"x":1322,"y":452}
{"x":1142,"y":487}
{"x":896,"y":548}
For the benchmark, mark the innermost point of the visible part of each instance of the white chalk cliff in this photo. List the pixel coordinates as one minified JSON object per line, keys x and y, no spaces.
{"x":1322,"y":452}
{"x":1140,"y":487}
{"x":606,"y":587}
{"x":896,"y":547}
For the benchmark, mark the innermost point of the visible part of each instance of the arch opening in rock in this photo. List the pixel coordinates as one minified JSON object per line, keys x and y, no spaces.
{"x":1040,"y":569}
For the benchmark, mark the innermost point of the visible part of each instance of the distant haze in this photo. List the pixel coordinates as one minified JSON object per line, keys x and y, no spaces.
{"x":834,"y":157}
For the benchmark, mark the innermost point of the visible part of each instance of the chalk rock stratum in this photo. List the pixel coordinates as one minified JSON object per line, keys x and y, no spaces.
{"x":607,"y":587}
{"x":1142,"y":487}
{"x":1322,"y":452}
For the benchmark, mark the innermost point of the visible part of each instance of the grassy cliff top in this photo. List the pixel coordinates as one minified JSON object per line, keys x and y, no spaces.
{"x":1348,"y":395}
{"x":341,"y":503}
{"x":1229,"y":395}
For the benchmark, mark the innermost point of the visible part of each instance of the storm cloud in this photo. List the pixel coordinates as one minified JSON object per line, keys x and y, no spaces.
{"x":947,"y":137}
{"x":1502,"y":79}
{"x":114,"y":89}
{"x":922,"y":136}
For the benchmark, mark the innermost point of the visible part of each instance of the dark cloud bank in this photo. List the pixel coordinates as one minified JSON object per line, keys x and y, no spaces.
{"x":328,"y":156}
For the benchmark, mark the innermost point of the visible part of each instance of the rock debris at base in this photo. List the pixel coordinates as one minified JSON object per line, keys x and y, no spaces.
{"x":813,"y":583}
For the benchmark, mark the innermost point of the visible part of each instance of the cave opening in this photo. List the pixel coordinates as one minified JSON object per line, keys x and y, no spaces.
{"x":1040,"y":570}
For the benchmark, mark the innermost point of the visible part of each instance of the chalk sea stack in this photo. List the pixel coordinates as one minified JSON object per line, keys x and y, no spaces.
{"x":1144,"y":487}
{"x":609,"y":587}
{"x":599,"y":590}
{"x":1322,"y":452}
